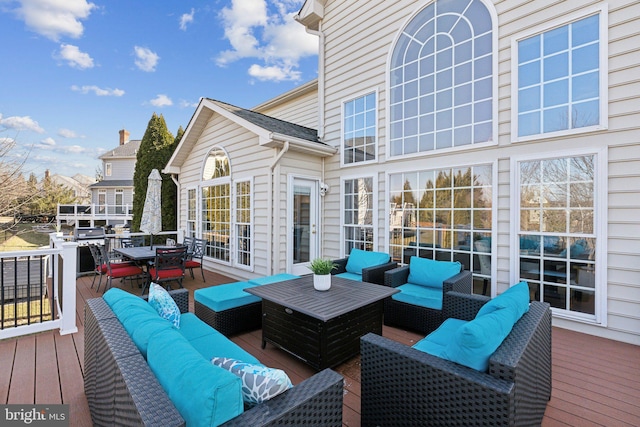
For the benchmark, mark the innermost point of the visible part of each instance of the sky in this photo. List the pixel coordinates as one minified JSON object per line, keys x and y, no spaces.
{"x":73,"y":73}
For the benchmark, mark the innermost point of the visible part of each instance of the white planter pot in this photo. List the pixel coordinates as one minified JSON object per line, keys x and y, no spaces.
{"x":322,"y":282}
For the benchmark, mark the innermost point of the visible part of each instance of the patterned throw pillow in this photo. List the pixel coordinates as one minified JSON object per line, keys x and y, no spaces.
{"x":259,"y":383}
{"x":166,"y":307}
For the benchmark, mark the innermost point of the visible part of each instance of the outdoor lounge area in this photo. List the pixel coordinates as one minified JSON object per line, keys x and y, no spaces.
{"x":594,"y":381}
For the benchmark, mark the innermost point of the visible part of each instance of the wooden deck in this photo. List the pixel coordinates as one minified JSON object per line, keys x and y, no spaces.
{"x":596,"y":382}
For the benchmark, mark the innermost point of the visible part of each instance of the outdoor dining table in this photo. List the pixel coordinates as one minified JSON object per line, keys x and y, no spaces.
{"x":138,"y":254}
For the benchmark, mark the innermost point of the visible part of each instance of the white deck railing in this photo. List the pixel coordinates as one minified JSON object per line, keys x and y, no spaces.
{"x":38,"y":290}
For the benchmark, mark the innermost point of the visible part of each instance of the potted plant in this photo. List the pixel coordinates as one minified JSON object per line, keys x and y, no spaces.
{"x":321,"y":269}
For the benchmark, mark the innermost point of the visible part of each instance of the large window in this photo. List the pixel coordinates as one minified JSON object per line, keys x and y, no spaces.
{"x":557,"y":231}
{"x":119,"y":201}
{"x":444,"y":214}
{"x":558,"y":79}
{"x":358,"y":214}
{"x":243,"y":223}
{"x":102,"y":201}
{"x":441,"y":84}
{"x":216,"y":205}
{"x":359,"y":129}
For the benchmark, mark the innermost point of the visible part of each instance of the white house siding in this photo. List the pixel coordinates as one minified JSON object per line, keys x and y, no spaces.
{"x":358,"y":41}
{"x":304,"y":111}
{"x":121,"y":168}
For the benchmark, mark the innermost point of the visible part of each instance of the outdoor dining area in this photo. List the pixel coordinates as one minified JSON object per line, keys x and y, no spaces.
{"x":383,"y":379}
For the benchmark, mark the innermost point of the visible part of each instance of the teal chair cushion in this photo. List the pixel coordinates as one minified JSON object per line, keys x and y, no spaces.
{"x":209,"y":342}
{"x":516,"y":296}
{"x":204,"y":394}
{"x":473,"y":343}
{"x":419,"y":295}
{"x":223,"y":297}
{"x":436,"y":342}
{"x":427,"y":272}
{"x":350,"y":276}
{"x":359,"y":259}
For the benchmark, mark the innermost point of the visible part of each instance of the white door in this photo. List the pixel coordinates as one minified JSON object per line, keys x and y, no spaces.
{"x":303,"y":225}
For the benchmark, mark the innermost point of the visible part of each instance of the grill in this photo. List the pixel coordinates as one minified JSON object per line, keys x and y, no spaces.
{"x":84,"y":236}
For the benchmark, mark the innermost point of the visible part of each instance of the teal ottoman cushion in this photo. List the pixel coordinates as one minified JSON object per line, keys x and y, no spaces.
{"x":223,"y":297}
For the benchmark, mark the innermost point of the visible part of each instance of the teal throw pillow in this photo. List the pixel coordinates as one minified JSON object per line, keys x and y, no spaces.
{"x":427,"y":272}
{"x":516,"y":296}
{"x":359,"y":259}
{"x":259,"y":383}
{"x":162,"y":302}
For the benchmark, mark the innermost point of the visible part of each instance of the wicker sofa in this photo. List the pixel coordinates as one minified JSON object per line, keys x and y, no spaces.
{"x":121,"y":388}
{"x":365,"y":266}
{"x":403,"y":386}
{"x":414,"y":316}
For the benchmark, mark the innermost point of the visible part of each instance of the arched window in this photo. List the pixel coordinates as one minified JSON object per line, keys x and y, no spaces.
{"x":440,"y":80}
{"x":216,"y":204}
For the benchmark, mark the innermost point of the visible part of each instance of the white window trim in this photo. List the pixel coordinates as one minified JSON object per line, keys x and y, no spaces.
{"x":600,"y":226}
{"x":494,"y":91}
{"x":108,"y":169}
{"x":604,"y":71}
{"x":364,"y":93}
{"x":234,"y":224}
{"x":197,"y":219}
{"x":374,"y":190}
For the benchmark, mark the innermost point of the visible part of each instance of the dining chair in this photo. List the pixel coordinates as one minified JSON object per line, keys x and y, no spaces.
{"x":168,"y":266}
{"x":194,"y":260}
{"x":99,"y":267}
{"x":119,"y":270}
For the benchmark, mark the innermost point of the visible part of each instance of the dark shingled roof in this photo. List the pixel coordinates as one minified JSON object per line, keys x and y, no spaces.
{"x":128,"y":149}
{"x":113,"y":183}
{"x":271,"y":124}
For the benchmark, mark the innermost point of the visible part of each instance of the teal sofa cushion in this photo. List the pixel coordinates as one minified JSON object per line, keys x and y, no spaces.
{"x":350,"y":276}
{"x":419,"y":295}
{"x":209,"y":342}
{"x":436,"y":342}
{"x":427,"y":272}
{"x":122,"y":301}
{"x":145,"y":329}
{"x":223,"y":297}
{"x":273,"y":279}
{"x":474,"y":342}
{"x":516,"y":296}
{"x":204,"y":394}
{"x":359,"y":259}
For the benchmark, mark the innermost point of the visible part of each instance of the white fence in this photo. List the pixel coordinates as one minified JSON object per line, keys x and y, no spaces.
{"x":38,"y":290}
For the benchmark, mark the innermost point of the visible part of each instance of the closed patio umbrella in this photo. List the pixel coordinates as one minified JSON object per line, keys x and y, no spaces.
{"x":151,"y":221}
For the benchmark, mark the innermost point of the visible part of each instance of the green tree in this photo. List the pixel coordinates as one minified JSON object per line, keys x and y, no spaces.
{"x":156,"y":148}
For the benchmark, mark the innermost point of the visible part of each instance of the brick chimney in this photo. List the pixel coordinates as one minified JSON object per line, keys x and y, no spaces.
{"x":124,"y":136}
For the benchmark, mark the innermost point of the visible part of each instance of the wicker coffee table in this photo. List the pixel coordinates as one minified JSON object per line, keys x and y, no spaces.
{"x":321,"y":328}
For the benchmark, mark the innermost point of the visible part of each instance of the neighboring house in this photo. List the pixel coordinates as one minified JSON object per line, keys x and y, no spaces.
{"x":78,"y":183}
{"x":111,"y":200}
{"x":504,"y":136}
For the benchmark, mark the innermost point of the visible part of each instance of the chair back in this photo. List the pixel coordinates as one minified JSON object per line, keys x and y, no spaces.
{"x":169,"y":263}
{"x":97,"y":256}
{"x":198,"y":248}
{"x":485,"y":260}
{"x":188,"y":242}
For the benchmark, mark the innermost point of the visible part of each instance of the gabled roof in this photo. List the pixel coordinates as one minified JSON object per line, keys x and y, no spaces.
{"x":311,"y":14}
{"x":113,"y":183}
{"x":271,"y":132}
{"x":126,"y":150}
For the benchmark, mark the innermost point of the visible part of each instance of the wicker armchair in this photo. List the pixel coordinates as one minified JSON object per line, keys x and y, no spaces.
{"x":415,"y":317}
{"x":402,"y":386}
{"x":373,"y":274}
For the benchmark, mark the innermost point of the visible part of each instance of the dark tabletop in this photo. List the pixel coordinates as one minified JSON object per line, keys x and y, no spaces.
{"x":138,"y":253}
{"x":344,"y":296}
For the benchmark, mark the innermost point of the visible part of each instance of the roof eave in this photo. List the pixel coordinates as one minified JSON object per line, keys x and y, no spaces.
{"x":311,"y":14}
{"x":298,"y":144}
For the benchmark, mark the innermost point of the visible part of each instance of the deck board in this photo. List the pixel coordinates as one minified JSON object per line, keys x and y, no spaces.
{"x":595,"y":381}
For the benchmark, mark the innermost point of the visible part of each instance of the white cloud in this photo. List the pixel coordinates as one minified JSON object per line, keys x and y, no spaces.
{"x":266,"y":31}
{"x":55,"y":18}
{"x":7,"y":140}
{"x":74,"y":57}
{"x":97,"y":90}
{"x":185,"y":19}
{"x":48,"y":142}
{"x":186,"y":104}
{"x":161,"y":101}
{"x":67,"y":133}
{"x":146,"y":59}
{"x":21,"y":123}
